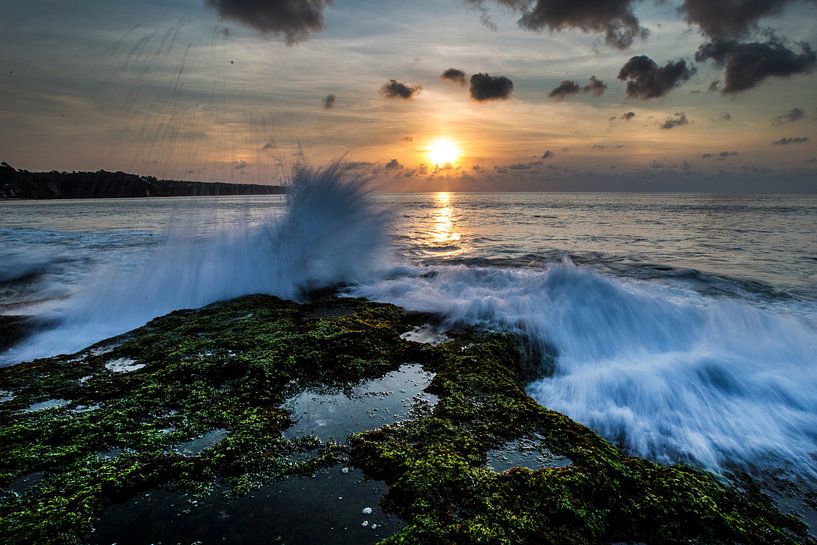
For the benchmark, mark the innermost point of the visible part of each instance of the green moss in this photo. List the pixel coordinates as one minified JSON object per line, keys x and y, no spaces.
{"x":231,"y":366}
{"x":438,"y":481}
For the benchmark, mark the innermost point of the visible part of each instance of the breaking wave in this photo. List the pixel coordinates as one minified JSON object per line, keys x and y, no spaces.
{"x":330,"y":234}
{"x":667,"y":372}
{"x":670,"y":371}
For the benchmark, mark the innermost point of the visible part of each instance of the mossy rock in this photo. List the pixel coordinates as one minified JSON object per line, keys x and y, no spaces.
{"x":231,"y":366}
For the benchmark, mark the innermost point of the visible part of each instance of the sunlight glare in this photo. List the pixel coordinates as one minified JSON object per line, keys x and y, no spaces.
{"x":443,"y":151}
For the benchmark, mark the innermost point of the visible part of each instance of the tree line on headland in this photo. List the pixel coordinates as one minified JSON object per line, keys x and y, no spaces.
{"x":22,"y":184}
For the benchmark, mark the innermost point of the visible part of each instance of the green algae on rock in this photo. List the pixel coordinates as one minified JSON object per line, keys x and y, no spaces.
{"x":197,"y":401}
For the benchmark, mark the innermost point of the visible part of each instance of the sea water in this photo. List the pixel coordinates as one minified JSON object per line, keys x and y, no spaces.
{"x":684,"y":326}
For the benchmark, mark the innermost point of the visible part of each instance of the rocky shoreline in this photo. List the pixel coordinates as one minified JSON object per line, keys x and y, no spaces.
{"x":264,"y":421}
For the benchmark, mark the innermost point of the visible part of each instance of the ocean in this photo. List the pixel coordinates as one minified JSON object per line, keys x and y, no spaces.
{"x":683,"y":327}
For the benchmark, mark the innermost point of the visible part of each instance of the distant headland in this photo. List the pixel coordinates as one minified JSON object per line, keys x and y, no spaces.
{"x":22,"y":184}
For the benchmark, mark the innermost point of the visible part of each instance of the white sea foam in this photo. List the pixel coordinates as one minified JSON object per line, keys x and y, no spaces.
{"x":671,"y":374}
{"x":330,"y":234}
{"x":667,"y":371}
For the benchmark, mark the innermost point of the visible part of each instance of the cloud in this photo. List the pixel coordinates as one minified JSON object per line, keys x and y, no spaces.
{"x":486,"y":87}
{"x":393,"y":165}
{"x":795,"y":114}
{"x":355,"y":165}
{"x":613,"y":18}
{"x":407,"y":139}
{"x":715,"y":85}
{"x":678,"y":120}
{"x":726,"y":116}
{"x":565,"y":89}
{"x":548,"y":155}
{"x":398,"y":89}
{"x":706,"y":156}
{"x":295,"y":19}
{"x":240,"y":165}
{"x":722,"y":155}
{"x":523,"y":166}
{"x":730,"y":18}
{"x":645,"y":79}
{"x":606,"y":146}
{"x":595,"y":86}
{"x":791,"y":140}
{"x":329,"y":101}
{"x":569,"y":87}
{"x":626,"y":116}
{"x":268,"y":146}
{"x":454,"y":75}
{"x":748,"y":64}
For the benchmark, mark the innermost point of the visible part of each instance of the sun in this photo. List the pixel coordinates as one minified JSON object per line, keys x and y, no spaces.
{"x":443,"y":151}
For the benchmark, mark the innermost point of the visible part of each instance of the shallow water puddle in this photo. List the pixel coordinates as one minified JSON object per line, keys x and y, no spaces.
{"x":104,"y":349}
{"x":123,"y":365}
{"x":26,"y":482}
{"x":526,"y":452}
{"x":47,"y":404}
{"x":794,"y":499}
{"x":80,"y":409}
{"x":328,"y":507}
{"x":371,"y":405}
{"x":425,"y":334}
{"x":195,"y":446}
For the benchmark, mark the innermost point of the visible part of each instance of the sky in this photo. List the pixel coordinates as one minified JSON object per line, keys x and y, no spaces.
{"x":427,"y":95}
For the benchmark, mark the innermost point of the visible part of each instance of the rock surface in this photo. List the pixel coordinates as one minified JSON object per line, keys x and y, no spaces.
{"x":225,"y":373}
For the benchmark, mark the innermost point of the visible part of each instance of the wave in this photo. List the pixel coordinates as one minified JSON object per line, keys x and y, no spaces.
{"x":667,"y":372}
{"x":330,"y":234}
{"x":655,"y":363}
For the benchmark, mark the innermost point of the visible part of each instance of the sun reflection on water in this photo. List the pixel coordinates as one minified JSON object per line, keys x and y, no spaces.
{"x":444,"y":240}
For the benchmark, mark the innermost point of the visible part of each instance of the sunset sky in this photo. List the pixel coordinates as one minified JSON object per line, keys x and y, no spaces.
{"x":240,"y":90}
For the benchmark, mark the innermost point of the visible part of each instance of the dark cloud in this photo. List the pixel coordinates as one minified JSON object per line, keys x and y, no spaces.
{"x":678,"y":120}
{"x":645,"y":79}
{"x":726,"y":116}
{"x":706,"y":156}
{"x":329,"y":101}
{"x":565,"y":89}
{"x":407,"y":139}
{"x":548,"y":155}
{"x":595,"y":86}
{"x":486,"y":87}
{"x":613,"y":18}
{"x":791,"y":140}
{"x":626,"y":116}
{"x":795,"y":114}
{"x":393,"y":165}
{"x":730,"y":18}
{"x":268,"y":146}
{"x":569,"y":87}
{"x":727,"y":154}
{"x":748,"y":64}
{"x":715,"y":85}
{"x":295,"y":19}
{"x":398,"y":89}
{"x":454,"y":75}
{"x":240,"y":165}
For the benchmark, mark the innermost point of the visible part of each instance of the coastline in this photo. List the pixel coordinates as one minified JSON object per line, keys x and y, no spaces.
{"x":18,"y":185}
{"x":202,"y":404}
